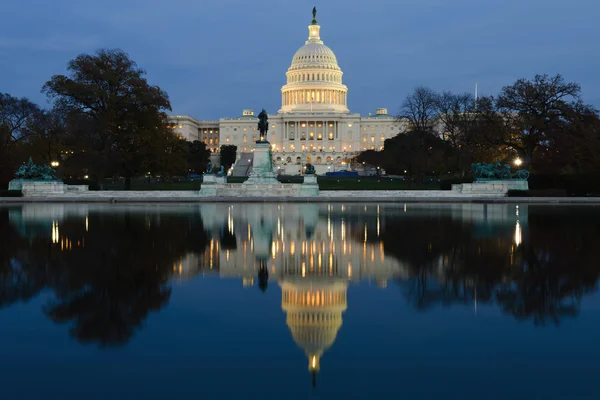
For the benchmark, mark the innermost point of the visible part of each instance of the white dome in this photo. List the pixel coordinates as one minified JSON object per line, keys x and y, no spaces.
{"x":314,"y":55}
{"x":314,"y":80}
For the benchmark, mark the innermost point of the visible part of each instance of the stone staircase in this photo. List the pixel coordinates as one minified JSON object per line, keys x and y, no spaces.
{"x":243,"y":165}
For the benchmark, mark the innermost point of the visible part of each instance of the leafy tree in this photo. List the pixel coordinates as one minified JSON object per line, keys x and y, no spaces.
{"x":121,"y":114}
{"x":228,"y":153}
{"x":198,"y":156}
{"x":534,"y":112}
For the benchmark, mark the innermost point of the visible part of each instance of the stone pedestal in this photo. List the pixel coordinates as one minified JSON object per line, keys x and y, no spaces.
{"x":262,"y":166}
{"x":490,"y":187}
{"x":309,"y":187}
{"x":210,"y":183}
{"x":32,"y":188}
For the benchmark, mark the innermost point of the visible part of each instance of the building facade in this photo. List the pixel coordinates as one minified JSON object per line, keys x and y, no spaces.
{"x":314,"y":124}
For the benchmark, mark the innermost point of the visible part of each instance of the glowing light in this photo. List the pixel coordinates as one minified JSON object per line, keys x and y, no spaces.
{"x":518,"y":234}
{"x":518,"y":162}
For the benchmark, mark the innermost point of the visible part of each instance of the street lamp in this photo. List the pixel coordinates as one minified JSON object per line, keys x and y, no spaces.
{"x":54,"y":164}
{"x":518,"y":162}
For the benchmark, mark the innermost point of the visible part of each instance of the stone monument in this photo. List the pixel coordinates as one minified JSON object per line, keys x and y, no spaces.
{"x":309,"y":187}
{"x":36,"y":180}
{"x":262,"y":166}
{"x":494,"y":178}
{"x":211,"y":181}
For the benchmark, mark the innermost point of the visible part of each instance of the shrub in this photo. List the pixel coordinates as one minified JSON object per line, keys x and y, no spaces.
{"x":10,"y":193}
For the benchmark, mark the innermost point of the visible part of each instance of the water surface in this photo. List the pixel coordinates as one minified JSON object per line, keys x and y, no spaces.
{"x":299,"y":301}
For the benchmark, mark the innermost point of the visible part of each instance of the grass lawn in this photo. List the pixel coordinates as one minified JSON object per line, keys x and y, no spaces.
{"x":325,"y":183}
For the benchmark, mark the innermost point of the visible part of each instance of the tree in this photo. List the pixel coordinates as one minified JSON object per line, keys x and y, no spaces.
{"x":49,"y":133}
{"x":124,"y":116}
{"x":534,"y":111}
{"x":456,"y":115}
{"x":420,"y":109}
{"x":228,"y":153}
{"x":198,"y":156}
{"x":17,"y":116}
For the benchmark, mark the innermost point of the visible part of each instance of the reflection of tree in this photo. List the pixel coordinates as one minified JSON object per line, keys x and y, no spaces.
{"x":543,"y":279}
{"x":116,"y":273}
{"x":558,"y":267}
{"x":22,"y":273}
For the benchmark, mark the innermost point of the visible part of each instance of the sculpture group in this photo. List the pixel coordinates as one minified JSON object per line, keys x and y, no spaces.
{"x":495,"y":171}
{"x":31,"y":171}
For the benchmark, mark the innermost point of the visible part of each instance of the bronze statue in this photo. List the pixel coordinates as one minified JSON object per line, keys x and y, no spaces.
{"x":36,"y":172}
{"x":263,"y":126}
{"x":309,"y":169}
{"x":315,"y":15}
{"x":495,"y":171}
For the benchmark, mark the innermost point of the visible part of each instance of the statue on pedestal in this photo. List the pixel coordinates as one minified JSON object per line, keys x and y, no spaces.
{"x":263,"y":126}
{"x":209,"y":168}
{"x":221,"y":171}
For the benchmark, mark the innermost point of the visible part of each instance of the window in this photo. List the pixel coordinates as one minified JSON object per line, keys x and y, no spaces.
{"x":244,"y":139}
{"x":372,"y":138}
{"x":319,"y":136}
{"x":318,"y":160}
{"x":330,"y":135}
{"x":244,"y":129}
{"x":210,"y":141}
{"x":288,"y":160}
{"x":227,"y":139}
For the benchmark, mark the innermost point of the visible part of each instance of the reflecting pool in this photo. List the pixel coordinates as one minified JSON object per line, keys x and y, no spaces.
{"x":299,"y":301}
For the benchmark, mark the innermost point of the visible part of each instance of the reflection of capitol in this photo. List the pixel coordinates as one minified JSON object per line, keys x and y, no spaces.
{"x":312,"y":251}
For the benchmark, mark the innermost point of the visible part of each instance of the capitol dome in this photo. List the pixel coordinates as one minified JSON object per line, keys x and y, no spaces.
{"x":314,"y":80}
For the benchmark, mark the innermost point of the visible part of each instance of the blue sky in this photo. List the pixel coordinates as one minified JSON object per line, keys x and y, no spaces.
{"x":216,"y":57}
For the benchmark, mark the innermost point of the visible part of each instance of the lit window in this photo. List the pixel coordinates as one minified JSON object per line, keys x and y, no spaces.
{"x":180,"y":126}
{"x":372,"y":138}
{"x":227,"y":139}
{"x":244,"y":129}
{"x":349,"y":125}
{"x":304,"y":125}
{"x":272,"y":126}
{"x":210,"y":141}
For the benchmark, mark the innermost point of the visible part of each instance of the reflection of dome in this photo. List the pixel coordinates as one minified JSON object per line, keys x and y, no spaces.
{"x":314,"y":314}
{"x":314,"y":80}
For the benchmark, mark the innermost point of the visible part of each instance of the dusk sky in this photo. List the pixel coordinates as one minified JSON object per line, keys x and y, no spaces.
{"x":217,"y":57}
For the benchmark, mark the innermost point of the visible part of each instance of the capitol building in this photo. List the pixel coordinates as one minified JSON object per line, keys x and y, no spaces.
{"x":314,"y":123}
